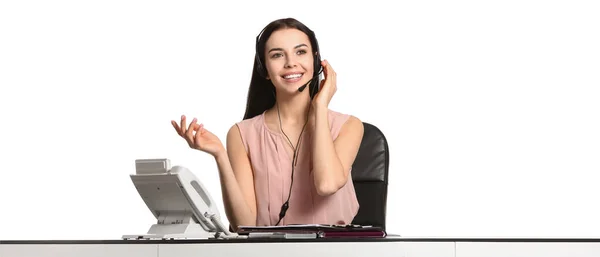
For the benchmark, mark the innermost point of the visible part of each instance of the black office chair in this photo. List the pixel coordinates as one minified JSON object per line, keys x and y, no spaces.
{"x":370,"y":177}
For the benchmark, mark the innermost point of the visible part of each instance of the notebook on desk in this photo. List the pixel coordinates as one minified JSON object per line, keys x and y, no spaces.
{"x":322,"y":231}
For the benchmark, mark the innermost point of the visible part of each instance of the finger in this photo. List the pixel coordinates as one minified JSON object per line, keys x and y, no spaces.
{"x":192,"y":124}
{"x":193,"y":139}
{"x":325,"y":68}
{"x":183,"y":124}
{"x":197,"y":127}
{"x":190,"y":131}
{"x":330,"y":70}
{"x":174,"y":123}
{"x":332,"y":74}
{"x":199,"y":131}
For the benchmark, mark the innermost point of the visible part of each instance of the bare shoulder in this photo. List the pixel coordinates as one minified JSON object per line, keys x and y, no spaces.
{"x":353,"y":126}
{"x":234,"y":137}
{"x":353,"y":123}
{"x":233,"y":130}
{"x":237,"y":151}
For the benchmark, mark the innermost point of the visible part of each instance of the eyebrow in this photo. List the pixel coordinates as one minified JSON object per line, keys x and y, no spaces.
{"x":281,"y":49}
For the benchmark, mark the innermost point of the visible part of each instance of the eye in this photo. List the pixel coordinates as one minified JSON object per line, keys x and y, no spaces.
{"x":301,"y":52}
{"x":276,"y":55}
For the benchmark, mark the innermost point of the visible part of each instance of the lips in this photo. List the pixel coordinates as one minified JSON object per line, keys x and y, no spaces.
{"x":292,"y":77}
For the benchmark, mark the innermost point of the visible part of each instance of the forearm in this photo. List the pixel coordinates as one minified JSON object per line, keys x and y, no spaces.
{"x":328,"y":173}
{"x":237,"y":209}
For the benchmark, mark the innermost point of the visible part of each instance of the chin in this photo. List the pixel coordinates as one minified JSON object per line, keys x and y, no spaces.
{"x":291,"y":86}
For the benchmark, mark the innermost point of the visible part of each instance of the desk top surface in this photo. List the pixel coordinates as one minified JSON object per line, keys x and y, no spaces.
{"x":318,"y":240}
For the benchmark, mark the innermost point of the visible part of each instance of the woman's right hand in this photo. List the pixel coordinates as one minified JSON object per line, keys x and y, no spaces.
{"x":198,"y":137}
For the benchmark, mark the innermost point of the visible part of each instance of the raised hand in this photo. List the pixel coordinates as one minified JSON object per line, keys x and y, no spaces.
{"x":198,"y":137}
{"x":327,"y":88}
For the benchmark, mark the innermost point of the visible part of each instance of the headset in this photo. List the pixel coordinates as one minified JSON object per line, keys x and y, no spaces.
{"x":262,"y":71}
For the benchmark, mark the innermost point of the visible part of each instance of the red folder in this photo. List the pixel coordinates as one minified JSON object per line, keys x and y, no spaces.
{"x":351,"y":234}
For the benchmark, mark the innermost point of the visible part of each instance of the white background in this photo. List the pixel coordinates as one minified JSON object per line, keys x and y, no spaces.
{"x":491,"y":108}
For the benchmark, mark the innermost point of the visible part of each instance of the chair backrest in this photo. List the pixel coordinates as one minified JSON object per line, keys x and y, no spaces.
{"x":370,"y":177}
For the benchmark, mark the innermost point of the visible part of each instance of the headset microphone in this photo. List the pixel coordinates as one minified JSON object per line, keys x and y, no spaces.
{"x":300,"y":89}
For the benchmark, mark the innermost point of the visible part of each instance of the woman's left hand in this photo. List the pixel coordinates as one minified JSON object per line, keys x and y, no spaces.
{"x":327,"y":88}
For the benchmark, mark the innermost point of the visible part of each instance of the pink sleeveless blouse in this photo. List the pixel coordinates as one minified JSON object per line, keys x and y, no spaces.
{"x":272,"y":166}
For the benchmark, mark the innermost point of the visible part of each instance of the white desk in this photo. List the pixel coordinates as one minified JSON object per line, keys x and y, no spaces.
{"x":397,"y":247}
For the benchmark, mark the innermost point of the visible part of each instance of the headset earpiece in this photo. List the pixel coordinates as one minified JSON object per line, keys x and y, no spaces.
{"x":317,"y":69}
{"x":259,"y":68}
{"x":259,"y":65}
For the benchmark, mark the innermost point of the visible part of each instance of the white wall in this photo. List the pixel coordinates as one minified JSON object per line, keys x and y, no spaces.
{"x":491,"y":108}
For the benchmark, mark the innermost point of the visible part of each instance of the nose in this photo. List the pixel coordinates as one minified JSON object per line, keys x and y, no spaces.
{"x":290,"y":61}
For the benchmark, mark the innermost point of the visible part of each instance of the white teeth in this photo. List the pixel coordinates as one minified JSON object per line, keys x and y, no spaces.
{"x":293,"y":76}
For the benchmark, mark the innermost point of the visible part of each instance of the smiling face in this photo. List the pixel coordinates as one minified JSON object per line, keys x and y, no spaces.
{"x":289,"y":59}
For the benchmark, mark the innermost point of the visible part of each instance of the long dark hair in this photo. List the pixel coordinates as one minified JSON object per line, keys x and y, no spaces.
{"x":261,"y":94}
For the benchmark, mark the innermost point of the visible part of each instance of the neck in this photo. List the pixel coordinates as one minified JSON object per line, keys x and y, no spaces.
{"x":292,"y":108}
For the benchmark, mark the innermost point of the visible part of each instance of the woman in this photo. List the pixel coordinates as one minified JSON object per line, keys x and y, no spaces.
{"x":289,"y":160}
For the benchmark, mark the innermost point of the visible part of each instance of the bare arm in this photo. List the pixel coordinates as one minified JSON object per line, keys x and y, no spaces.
{"x":332,"y":160}
{"x":237,"y":186}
